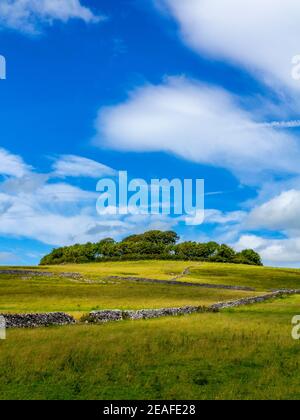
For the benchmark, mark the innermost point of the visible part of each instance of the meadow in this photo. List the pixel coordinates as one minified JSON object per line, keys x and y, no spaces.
{"x":242,"y":353}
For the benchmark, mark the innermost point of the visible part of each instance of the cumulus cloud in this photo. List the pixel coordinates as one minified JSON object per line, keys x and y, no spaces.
{"x":31,"y":15}
{"x":280,"y":216}
{"x":281,"y":213}
{"x":281,"y":252}
{"x":77,"y":166}
{"x":260,"y":35}
{"x":68,"y":219}
{"x":12,"y":165}
{"x":37,"y":206}
{"x":200,"y":123}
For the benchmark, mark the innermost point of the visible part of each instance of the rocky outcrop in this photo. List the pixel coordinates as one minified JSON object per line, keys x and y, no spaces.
{"x":37,"y":320}
{"x":182,"y":283}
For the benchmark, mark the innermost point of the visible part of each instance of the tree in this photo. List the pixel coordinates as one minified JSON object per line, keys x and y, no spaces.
{"x":154,"y":236}
{"x":154,"y":244}
{"x":225,"y":254}
{"x":187,"y":250}
{"x":250,"y":256}
{"x":208,"y":250}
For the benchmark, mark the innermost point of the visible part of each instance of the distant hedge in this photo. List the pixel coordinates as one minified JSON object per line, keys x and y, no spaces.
{"x":152,"y":245}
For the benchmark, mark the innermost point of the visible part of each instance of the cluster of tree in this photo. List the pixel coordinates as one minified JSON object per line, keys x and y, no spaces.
{"x":150,"y":245}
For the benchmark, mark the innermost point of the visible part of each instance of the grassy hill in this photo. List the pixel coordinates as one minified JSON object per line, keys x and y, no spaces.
{"x":241,"y":353}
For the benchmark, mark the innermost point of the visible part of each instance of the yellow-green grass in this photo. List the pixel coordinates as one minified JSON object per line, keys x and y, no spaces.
{"x":21,"y":295}
{"x":43,"y":294}
{"x":164,"y":270}
{"x":246,"y":353}
{"x":241,"y":353}
{"x":244,"y":275}
{"x":260,"y":278}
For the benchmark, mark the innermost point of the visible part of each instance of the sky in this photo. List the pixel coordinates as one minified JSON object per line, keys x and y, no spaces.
{"x":194,"y":89}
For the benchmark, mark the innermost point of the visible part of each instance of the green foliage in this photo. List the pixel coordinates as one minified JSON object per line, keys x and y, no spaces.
{"x":154,"y":244}
{"x":155,"y":237}
{"x":248,"y":256}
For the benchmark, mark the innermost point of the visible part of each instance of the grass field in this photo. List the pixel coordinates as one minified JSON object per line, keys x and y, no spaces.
{"x":52,"y":295}
{"x":243,"y":353}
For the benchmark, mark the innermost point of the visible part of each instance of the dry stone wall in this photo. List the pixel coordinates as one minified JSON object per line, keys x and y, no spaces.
{"x":37,"y":320}
{"x":253,"y":300}
{"x":183,"y":283}
{"x":118,"y":315}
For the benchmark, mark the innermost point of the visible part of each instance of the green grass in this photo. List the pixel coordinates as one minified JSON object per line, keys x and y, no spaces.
{"x":164,"y":270}
{"x":241,"y":353}
{"x":231,"y":355}
{"x":261,"y":278}
{"x":51,"y":295}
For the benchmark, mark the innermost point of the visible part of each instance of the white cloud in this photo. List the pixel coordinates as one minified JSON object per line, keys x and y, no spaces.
{"x":12,"y":165}
{"x":260,"y":35}
{"x":282,"y":252}
{"x":200,"y":123}
{"x":281,"y":213}
{"x":68,"y":219}
{"x":218,"y":217}
{"x":36,"y":206}
{"x":77,"y":166}
{"x":30,"y":15}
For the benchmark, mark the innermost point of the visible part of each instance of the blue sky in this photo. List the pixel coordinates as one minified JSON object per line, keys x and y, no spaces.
{"x":160,"y":88}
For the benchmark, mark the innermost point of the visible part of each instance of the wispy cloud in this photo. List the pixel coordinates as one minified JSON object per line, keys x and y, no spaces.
{"x":77,"y":166}
{"x":40,"y":207}
{"x":200,"y":123}
{"x":13,"y":165}
{"x":261,"y":36}
{"x":30,"y":16}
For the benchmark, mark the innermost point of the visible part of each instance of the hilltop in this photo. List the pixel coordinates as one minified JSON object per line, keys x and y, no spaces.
{"x":151,"y":245}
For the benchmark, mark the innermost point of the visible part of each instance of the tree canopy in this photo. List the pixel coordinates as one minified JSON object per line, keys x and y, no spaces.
{"x":153,"y":244}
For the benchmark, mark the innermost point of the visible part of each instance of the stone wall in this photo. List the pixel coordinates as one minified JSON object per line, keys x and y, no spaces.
{"x":61,"y":318}
{"x":158,"y":313}
{"x":33,"y":273}
{"x":182,"y":283}
{"x":37,"y":320}
{"x":253,"y":300}
{"x":104,"y":316}
{"x":118,"y":315}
